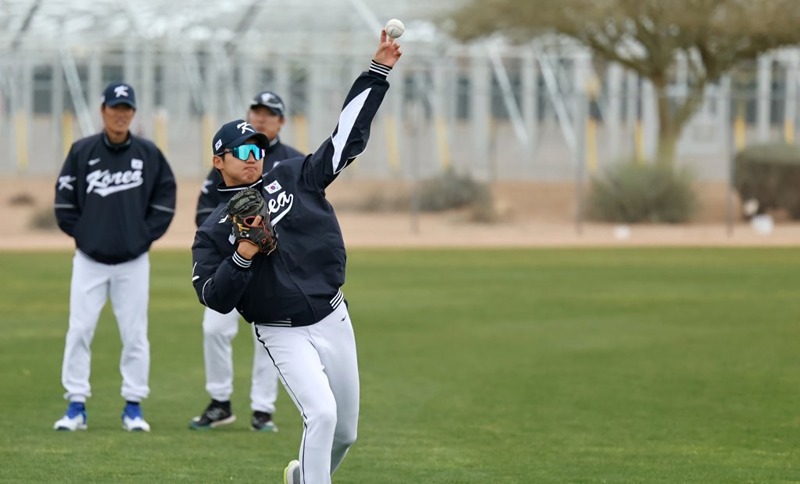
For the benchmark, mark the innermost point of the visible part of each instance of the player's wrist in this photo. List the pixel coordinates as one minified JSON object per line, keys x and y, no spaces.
{"x":240,"y":262}
{"x":243,"y":256}
{"x":382,"y":70}
{"x":247,"y":249}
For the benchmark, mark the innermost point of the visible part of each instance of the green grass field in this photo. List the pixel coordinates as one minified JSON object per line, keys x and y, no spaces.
{"x":633,"y":365}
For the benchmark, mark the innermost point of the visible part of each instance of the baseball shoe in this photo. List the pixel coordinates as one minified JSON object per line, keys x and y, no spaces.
{"x":291,"y":475}
{"x":133,"y":420}
{"x":262,"y":422}
{"x":215,"y":415}
{"x":73,"y":419}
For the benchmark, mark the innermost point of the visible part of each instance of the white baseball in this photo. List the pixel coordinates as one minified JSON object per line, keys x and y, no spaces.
{"x":394,"y":28}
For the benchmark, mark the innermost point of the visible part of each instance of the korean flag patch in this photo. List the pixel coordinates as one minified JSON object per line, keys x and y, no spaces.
{"x":273,"y":187}
{"x":137,"y":164}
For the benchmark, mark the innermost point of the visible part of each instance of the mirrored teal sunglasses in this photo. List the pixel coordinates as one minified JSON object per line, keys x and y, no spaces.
{"x":243,"y":152}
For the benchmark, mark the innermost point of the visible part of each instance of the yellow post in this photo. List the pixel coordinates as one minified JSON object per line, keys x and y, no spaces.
{"x":390,"y":125}
{"x":21,"y":129}
{"x":788,"y":131}
{"x":739,"y":137}
{"x":67,"y":134}
{"x":301,"y":133}
{"x":638,"y":142}
{"x":443,"y":145}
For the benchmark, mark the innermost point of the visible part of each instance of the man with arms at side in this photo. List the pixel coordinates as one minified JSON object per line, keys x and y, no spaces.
{"x":115,"y":196}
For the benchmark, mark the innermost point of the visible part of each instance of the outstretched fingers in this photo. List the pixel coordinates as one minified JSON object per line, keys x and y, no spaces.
{"x":388,"y":50}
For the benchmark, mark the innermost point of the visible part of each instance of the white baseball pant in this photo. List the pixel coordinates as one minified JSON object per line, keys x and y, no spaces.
{"x":218,"y":333}
{"x":319,"y":369}
{"x":128,"y":286}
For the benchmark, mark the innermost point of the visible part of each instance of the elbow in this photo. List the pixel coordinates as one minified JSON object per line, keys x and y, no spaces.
{"x":217,"y":306}
{"x":212,"y":301}
{"x":65,"y":227}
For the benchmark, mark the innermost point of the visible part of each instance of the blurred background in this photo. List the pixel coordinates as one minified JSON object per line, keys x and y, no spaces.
{"x":494,"y":91}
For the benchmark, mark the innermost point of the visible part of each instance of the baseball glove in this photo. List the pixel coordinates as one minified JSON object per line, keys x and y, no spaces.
{"x":244,"y":209}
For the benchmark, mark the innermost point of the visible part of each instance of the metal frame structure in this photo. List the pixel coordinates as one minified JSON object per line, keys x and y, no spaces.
{"x":501,"y":112}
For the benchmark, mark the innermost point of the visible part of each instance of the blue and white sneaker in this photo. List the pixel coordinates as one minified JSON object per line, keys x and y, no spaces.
{"x":132,"y":419}
{"x":73,"y":419}
{"x":291,"y":475}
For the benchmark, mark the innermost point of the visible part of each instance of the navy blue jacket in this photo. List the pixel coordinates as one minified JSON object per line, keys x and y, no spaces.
{"x":209,"y":196}
{"x":114,"y":200}
{"x":299,"y":283}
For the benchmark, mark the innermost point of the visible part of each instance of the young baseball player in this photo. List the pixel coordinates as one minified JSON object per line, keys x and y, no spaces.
{"x":115,"y":196}
{"x":267,"y":116}
{"x":285,"y":276}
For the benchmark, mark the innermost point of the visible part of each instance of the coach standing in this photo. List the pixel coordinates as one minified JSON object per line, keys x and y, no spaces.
{"x":115,"y":196}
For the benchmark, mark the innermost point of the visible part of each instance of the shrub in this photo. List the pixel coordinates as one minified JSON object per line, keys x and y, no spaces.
{"x":634,"y":192}
{"x":482,"y":208}
{"x":22,"y":199}
{"x":383,"y":201}
{"x":451,"y":190}
{"x":445,"y":192}
{"x":769,"y":174}
{"x":44,"y":219}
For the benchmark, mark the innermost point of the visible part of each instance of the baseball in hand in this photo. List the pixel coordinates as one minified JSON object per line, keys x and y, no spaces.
{"x":394,"y":28}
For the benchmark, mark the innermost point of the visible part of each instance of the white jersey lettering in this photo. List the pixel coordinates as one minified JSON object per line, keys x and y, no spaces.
{"x":103,"y":182}
{"x":283,"y":204}
{"x":65,"y":182}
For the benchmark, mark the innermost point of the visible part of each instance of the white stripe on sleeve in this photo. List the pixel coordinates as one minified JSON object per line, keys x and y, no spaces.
{"x":346,"y":121}
{"x":241,"y":261}
{"x":163,"y":208}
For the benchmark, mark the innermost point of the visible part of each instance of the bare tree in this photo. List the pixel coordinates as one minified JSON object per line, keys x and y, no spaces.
{"x":646,"y":36}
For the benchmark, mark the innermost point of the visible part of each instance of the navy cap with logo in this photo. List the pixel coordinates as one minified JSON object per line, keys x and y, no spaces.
{"x":271,"y":101}
{"x":119,"y":93}
{"x":235,"y":133}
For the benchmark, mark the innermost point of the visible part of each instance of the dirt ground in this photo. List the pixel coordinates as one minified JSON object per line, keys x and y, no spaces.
{"x":531,"y":215}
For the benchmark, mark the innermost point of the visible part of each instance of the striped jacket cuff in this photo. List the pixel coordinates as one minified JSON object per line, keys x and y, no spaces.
{"x":379,"y":68}
{"x":240,"y":261}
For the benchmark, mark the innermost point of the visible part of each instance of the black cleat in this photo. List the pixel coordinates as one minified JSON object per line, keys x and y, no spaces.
{"x":262,"y":422}
{"x":215,"y":415}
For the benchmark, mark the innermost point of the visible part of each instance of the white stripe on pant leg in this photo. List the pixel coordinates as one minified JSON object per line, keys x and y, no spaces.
{"x":87,"y":296}
{"x":264,"y":384}
{"x":301,"y":371}
{"x":218,"y":332}
{"x":130,"y":295}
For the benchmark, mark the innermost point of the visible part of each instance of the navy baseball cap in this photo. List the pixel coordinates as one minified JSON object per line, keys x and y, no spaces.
{"x":269,"y":100}
{"x":119,"y":93}
{"x":235,"y":133}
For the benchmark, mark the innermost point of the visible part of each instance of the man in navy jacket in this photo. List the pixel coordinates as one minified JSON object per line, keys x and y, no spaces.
{"x":293,"y":295}
{"x":266,"y":115}
{"x":115,"y":196}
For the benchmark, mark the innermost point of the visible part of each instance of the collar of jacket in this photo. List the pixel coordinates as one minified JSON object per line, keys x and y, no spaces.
{"x":117,"y":147}
{"x":226,"y":192}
